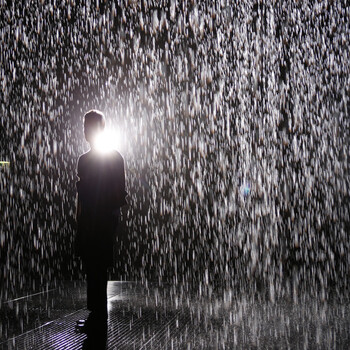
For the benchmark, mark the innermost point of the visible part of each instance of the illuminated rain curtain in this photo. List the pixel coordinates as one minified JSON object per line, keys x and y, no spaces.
{"x":233,"y":118}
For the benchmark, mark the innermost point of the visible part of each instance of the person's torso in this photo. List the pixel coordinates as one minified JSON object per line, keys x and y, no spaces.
{"x":98,"y":178}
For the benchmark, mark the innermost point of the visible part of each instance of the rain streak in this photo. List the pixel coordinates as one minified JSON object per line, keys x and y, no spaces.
{"x":232,"y":118}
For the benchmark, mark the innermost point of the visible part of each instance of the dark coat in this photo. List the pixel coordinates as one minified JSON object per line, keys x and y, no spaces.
{"x":101,"y":193}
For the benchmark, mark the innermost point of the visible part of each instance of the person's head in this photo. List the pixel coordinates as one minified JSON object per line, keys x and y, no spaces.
{"x":94,"y":123}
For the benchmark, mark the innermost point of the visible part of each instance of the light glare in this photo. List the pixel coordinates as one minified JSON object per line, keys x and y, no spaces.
{"x":107,"y":141}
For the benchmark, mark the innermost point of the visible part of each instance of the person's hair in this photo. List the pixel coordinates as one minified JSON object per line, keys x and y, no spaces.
{"x":94,"y":122}
{"x":95,"y":117}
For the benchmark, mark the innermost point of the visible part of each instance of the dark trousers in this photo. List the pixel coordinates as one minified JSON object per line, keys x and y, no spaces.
{"x":97,"y":289}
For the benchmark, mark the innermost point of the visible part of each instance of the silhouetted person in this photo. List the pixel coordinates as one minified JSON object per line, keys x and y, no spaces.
{"x":101,"y":193}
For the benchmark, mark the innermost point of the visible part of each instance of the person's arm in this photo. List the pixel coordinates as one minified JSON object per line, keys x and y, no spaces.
{"x":78,"y":209}
{"x":119,"y":198}
{"x":78,"y":201}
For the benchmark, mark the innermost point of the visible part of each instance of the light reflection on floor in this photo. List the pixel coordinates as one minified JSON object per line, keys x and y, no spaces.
{"x":158,"y":317}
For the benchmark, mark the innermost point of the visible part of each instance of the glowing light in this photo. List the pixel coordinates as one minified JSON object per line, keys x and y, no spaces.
{"x":245,"y":189}
{"x":108,"y":141}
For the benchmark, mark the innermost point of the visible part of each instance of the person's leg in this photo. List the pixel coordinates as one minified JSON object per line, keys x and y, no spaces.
{"x":91,"y":281}
{"x":84,"y":326}
{"x":97,"y":289}
{"x":101,"y":292}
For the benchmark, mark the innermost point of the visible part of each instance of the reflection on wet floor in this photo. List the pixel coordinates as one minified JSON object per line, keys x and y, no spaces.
{"x":159,"y":317}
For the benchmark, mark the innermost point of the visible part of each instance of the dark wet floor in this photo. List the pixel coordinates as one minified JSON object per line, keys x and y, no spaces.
{"x":159,"y":317}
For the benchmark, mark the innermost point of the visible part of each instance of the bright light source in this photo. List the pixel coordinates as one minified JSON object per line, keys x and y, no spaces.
{"x":107,"y":141}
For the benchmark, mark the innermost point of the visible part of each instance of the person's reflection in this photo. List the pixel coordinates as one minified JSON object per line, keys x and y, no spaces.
{"x":101,"y":193}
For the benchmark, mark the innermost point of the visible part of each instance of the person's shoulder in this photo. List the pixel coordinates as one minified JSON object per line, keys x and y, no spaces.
{"x":83,"y":158}
{"x":84,"y":155}
{"x":117,"y":156}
